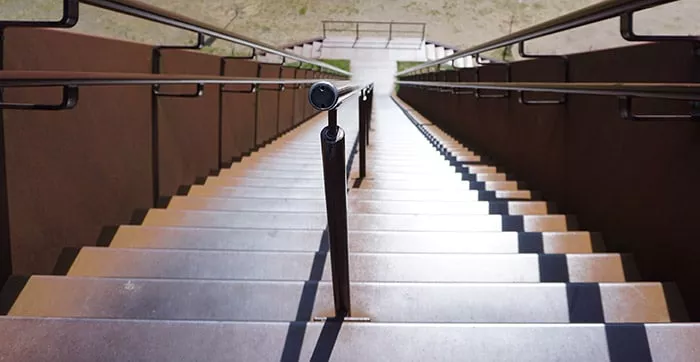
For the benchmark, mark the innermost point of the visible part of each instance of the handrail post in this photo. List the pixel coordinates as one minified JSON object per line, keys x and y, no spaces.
{"x":363,"y":103}
{"x":370,"y":105}
{"x":324,"y":96}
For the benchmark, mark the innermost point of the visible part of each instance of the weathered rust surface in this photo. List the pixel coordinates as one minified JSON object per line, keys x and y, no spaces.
{"x":300,"y":98}
{"x":634,"y":181}
{"x":70,"y":173}
{"x":238,"y":112}
{"x":286,"y":106}
{"x":188,"y":128}
{"x":268,"y":105}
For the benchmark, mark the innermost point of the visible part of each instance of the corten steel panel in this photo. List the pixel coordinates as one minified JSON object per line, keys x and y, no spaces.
{"x":634,"y":181}
{"x":286,"y":105}
{"x":637,"y":181}
{"x":188,"y":128}
{"x":309,"y":111}
{"x":300,"y":99}
{"x":543,"y":149}
{"x":238,"y":112}
{"x":493,"y":114}
{"x":467,"y":109}
{"x":72,"y":172}
{"x":268,"y":105}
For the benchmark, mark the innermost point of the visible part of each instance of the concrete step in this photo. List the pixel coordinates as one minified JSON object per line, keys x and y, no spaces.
{"x":427,"y":185}
{"x":216,"y":300}
{"x":423,"y":184}
{"x":129,"y":236}
{"x":74,"y":339}
{"x":364,"y":267}
{"x":366,"y":222}
{"x":363,"y":206}
{"x":379,"y":195}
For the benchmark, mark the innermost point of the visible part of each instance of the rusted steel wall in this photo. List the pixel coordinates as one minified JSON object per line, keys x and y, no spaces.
{"x":238,"y":112}
{"x":285,"y":116}
{"x":634,"y":181}
{"x":69,"y":173}
{"x":268,"y":105}
{"x":188,"y":128}
{"x":64,"y":175}
{"x":300,"y":98}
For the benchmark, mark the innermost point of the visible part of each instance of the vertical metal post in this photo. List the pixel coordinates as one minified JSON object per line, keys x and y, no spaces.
{"x":363,"y":132}
{"x":370,"y":104}
{"x":335,"y":182}
{"x":324,"y":96}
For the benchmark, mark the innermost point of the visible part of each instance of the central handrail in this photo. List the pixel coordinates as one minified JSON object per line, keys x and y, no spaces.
{"x":592,"y":14}
{"x":149,"y":12}
{"x":325,"y":96}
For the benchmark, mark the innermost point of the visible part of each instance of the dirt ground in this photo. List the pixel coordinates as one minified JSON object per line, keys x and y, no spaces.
{"x":458,"y":23}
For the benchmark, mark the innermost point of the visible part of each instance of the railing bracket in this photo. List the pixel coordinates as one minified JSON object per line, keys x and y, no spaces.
{"x":69,"y":101}
{"x":625,"y":107}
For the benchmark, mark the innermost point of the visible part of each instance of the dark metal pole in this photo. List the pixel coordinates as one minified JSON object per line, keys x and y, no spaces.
{"x":363,"y":133}
{"x":324,"y":96}
{"x":370,"y":105}
{"x":335,"y":182}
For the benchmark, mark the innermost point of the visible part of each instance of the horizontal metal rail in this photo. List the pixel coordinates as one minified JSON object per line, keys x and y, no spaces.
{"x":677,"y":91}
{"x":592,"y":14}
{"x":372,"y":22}
{"x":57,"y":78}
{"x":152,"y":13}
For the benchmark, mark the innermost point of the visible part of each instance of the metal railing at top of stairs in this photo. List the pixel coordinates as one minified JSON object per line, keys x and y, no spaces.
{"x":152,"y":13}
{"x":387,"y":27}
{"x":609,"y":9}
{"x":326,"y":96}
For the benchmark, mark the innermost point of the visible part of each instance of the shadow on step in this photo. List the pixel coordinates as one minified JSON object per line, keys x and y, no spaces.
{"x":296,"y":330}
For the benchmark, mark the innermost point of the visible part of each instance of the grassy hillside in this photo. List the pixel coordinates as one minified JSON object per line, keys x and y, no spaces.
{"x":455,"y":22}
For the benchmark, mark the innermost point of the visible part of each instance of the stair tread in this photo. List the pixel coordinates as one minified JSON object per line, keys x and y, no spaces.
{"x":356,"y":221}
{"x":361,"y":206}
{"x":94,"y":340}
{"x":317,"y":193}
{"x":381,"y":301}
{"x":376,"y":241}
{"x":391,"y":267}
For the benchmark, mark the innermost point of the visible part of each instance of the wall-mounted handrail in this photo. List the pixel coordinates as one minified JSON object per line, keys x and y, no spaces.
{"x":676,"y":91}
{"x":325,"y":96}
{"x":592,"y":14}
{"x":59,"y":78}
{"x":156,"y":14}
{"x":71,"y":81}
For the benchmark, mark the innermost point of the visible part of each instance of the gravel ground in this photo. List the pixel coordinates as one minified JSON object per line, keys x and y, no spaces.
{"x":459,"y":23}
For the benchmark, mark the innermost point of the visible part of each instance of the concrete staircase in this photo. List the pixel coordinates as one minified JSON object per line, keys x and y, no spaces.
{"x":450,"y":257}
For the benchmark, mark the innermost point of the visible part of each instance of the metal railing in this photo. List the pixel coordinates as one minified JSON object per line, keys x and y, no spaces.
{"x":602,"y":11}
{"x":624,"y":91}
{"x":392,"y":30}
{"x":71,"y":81}
{"x":152,"y":13}
{"x":325,"y":96}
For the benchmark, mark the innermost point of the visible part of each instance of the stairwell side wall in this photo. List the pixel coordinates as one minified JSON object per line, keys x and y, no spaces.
{"x":634,"y":181}
{"x":71,"y":173}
